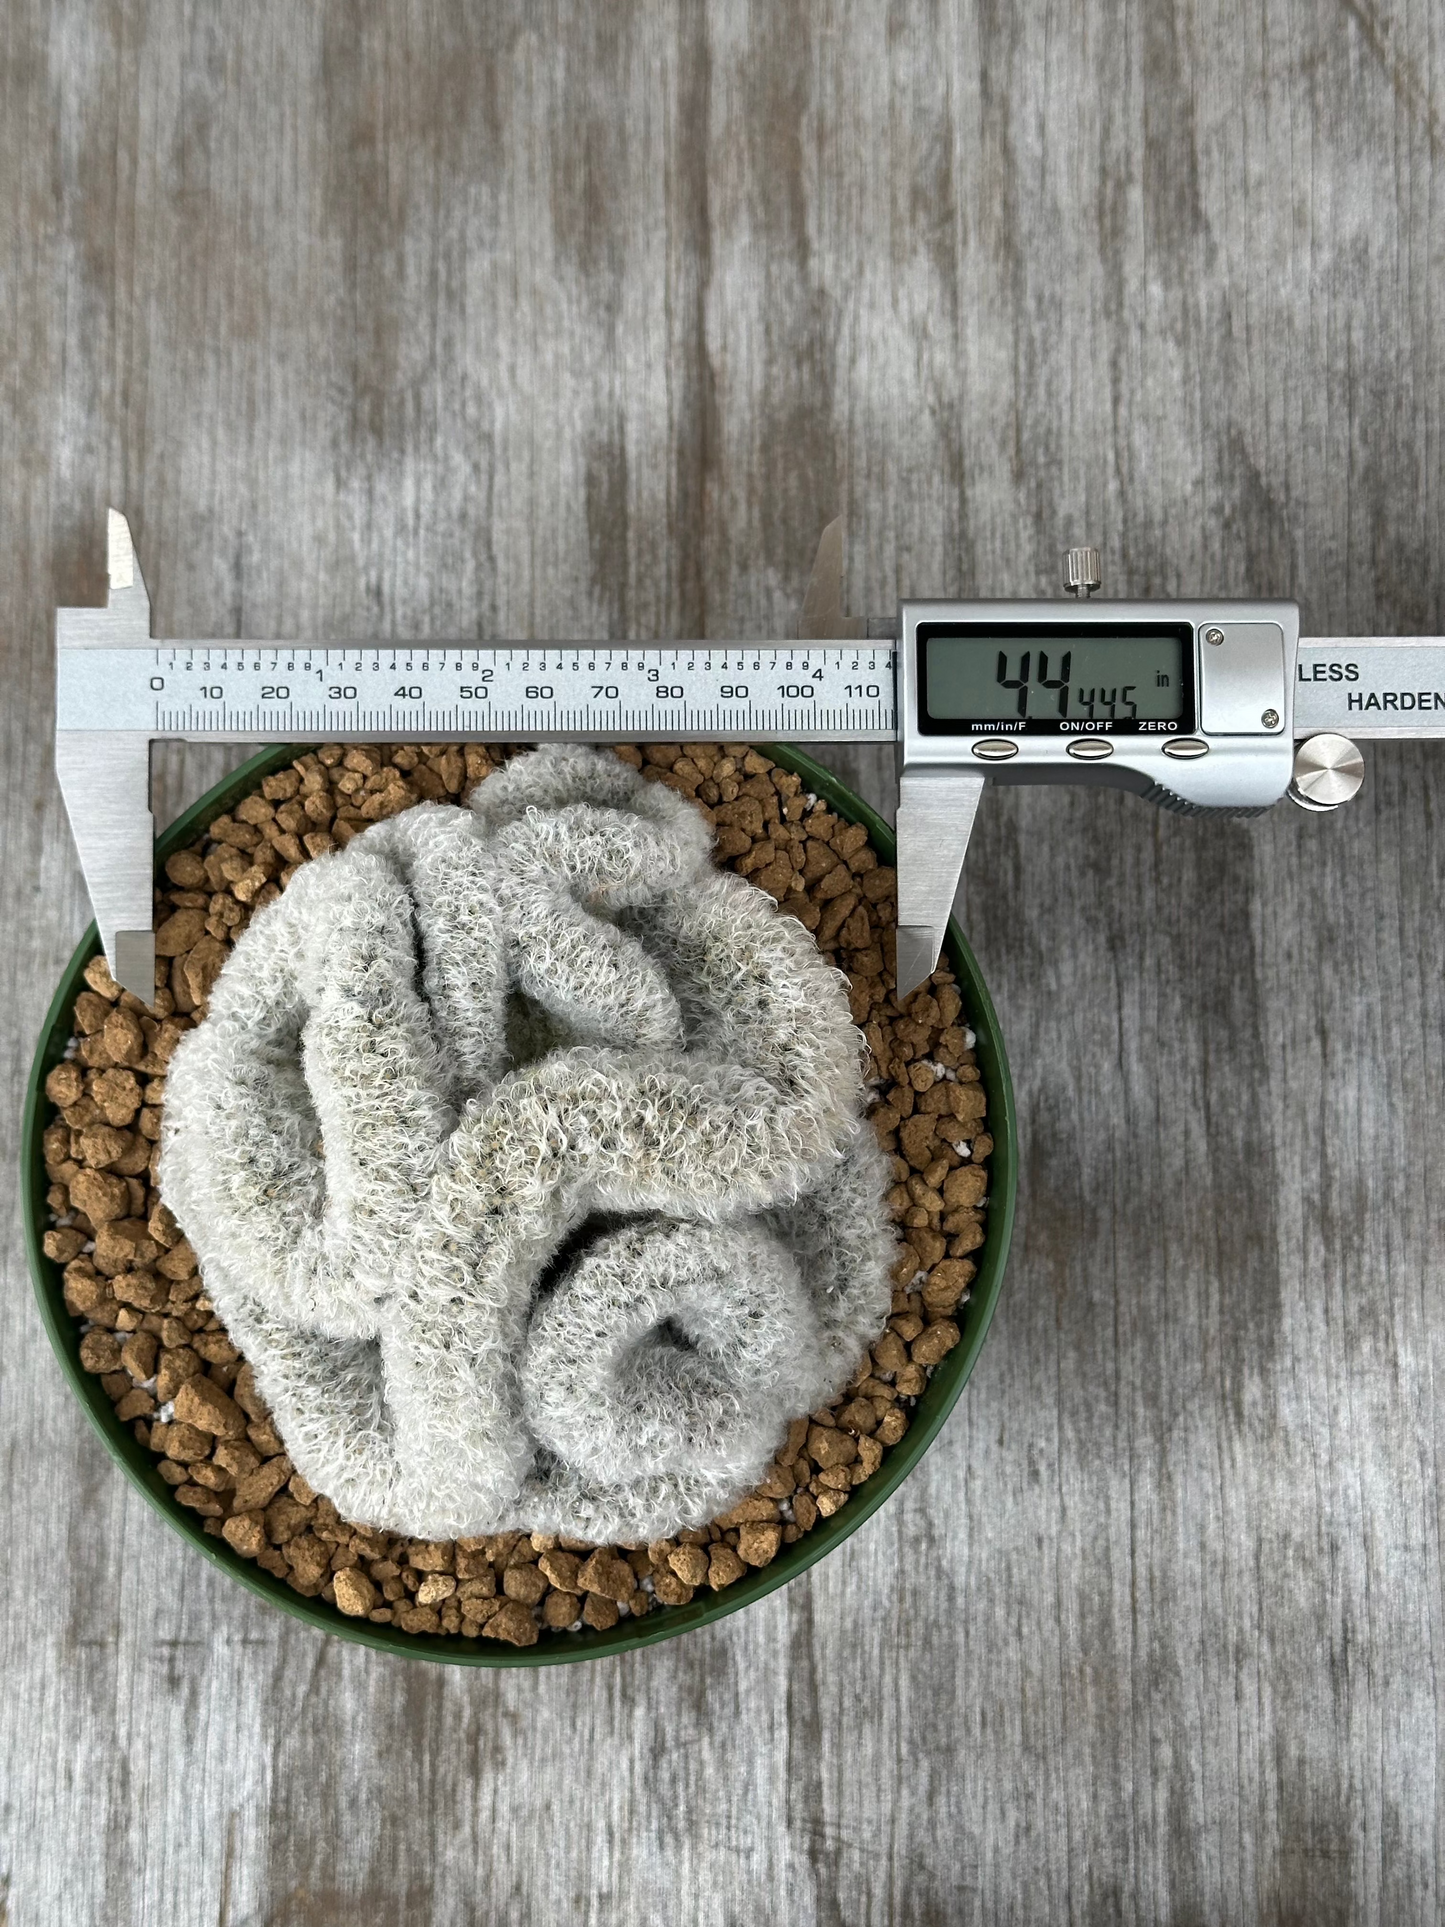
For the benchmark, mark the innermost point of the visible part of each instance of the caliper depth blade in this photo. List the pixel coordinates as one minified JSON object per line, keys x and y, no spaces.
{"x":1369,"y":687}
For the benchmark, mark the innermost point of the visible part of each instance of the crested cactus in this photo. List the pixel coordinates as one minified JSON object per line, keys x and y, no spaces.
{"x":521,"y":1150}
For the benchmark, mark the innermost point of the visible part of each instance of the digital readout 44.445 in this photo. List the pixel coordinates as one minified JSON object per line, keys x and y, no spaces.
{"x":1102,"y":678}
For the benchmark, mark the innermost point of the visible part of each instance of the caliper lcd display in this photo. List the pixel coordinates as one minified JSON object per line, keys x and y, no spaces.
{"x":1055,"y":678}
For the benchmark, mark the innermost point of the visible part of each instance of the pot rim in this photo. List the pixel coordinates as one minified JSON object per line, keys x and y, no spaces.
{"x":553,"y":1649}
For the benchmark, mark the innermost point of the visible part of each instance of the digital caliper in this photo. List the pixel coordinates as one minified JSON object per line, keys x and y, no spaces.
{"x":1202,"y":706}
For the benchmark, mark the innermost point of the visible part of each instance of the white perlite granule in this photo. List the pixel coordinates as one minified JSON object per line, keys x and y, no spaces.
{"x":521,"y":1152}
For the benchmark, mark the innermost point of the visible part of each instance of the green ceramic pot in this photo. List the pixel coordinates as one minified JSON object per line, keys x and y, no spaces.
{"x":552,"y":1649}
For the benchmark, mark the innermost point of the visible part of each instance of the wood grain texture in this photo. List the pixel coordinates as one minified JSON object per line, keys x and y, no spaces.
{"x":537,"y":318}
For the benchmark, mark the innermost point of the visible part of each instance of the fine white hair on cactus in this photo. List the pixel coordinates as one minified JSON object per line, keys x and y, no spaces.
{"x":521,"y":1152}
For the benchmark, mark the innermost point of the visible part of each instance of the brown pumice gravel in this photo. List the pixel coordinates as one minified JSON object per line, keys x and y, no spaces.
{"x":149,"y":1332}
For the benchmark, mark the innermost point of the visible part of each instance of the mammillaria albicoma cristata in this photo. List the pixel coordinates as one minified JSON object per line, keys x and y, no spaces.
{"x":521,"y":1151}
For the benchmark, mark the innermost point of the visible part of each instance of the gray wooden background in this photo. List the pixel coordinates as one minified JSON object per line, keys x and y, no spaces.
{"x":530,"y":318}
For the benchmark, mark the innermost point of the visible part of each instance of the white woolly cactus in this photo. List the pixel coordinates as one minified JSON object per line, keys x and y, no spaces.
{"x":521,"y":1151}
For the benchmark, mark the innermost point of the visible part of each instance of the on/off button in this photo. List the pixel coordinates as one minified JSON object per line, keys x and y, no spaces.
{"x":1091,"y":749}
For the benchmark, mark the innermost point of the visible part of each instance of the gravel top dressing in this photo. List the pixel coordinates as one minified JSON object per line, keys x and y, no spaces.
{"x":177,"y":1377}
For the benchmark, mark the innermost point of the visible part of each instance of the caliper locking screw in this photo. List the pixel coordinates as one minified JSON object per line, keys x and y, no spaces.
{"x":1270,"y":719}
{"x":1216,"y":636}
{"x":1081,"y":571}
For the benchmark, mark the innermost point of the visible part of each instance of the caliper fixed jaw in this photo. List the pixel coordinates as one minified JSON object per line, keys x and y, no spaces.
{"x":105,"y":775}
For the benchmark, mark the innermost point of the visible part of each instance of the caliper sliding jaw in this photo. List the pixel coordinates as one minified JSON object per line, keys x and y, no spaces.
{"x":1233,"y":754}
{"x":936,"y":807}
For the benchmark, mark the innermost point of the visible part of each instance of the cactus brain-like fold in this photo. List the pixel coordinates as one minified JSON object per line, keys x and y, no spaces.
{"x":521,"y":1149}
